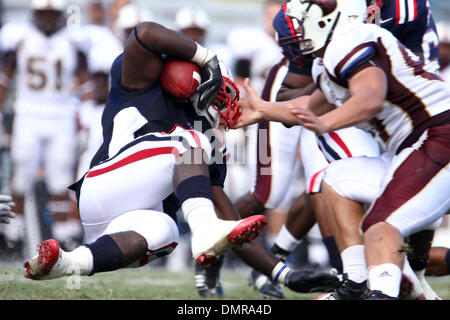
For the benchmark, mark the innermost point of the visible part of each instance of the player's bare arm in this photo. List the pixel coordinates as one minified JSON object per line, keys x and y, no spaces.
{"x":294,"y":86}
{"x":7,"y":71}
{"x":142,"y":63}
{"x":254,"y":109}
{"x":368,"y":89}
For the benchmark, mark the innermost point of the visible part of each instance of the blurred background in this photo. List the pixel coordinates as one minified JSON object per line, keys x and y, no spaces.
{"x":226,"y":14}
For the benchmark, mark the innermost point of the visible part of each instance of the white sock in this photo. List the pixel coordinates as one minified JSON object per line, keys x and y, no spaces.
{"x":286,"y":241}
{"x":77,"y":262}
{"x":385,"y":278}
{"x":82,"y":257}
{"x":354,"y":263}
{"x":198,"y":212}
{"x":279,"y":272}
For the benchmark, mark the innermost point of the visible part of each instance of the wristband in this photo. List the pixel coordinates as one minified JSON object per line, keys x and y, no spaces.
{"x":202,"y":55}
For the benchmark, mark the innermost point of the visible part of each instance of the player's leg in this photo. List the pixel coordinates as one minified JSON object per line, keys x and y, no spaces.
{"x":438,"y":262}
{"x":347,"y":184}
{"x":419,"y":248}
{"x":130,"y":240}
{"x":210,"y":236}
{"x":257,"y":255}
{"x":425,"y":200}
{"x":25,"y":154}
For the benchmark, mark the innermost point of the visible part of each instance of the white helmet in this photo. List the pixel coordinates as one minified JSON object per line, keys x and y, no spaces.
{"x":58,"y":5}
{"x":130,"y":15}
{"x":225,"y":106}
{"x":320,"y":18}
{"x":188,"y":17}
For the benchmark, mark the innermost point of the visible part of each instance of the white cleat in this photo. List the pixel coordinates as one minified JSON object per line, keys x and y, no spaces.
{"x":50,"y":263}
{"x":207,"y":247}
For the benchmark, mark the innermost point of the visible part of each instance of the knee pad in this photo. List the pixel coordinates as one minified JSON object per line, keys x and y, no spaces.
{"x":157,"y":228}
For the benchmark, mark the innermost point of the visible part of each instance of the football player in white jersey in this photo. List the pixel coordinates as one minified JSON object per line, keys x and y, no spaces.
{"x":369,"y":80}
{"x":45,"y":59}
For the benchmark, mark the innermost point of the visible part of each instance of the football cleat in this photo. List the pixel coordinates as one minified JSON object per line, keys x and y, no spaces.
{"x":377,"y":295}
{"x":208,"y":247}
{"x":410,"y":288}
{"x":306,"y":281}
{"x":207,"y":280}
{"x":347,"y":290}
{"x":265,"y":286}
{"x":42,"y":264}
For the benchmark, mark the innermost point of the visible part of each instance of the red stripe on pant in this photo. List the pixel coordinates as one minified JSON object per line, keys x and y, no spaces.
{"x":140,"y":155}
{"x":412,"y":176}
{"x":144,"y":261}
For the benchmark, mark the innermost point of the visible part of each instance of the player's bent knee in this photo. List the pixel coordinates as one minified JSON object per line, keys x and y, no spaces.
{"x":158,"y":229}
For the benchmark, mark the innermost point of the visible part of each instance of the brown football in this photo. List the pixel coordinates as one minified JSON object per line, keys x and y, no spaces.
{"x":180,"y":78}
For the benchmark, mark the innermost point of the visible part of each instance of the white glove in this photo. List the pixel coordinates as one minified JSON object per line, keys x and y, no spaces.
{"x":6,"y":204}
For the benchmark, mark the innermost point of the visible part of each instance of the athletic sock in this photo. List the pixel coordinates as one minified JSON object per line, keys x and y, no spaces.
{"x":286,"y":241}
{"x":386,"y":278}
{"x":106,"y":254}
{"x":279,"y":273}
{"x":354,"y":263}
{"x":196,"y":198}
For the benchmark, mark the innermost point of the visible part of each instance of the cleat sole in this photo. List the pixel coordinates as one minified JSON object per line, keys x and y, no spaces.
{"x":248,"y":230}
{"x":47,"y":257}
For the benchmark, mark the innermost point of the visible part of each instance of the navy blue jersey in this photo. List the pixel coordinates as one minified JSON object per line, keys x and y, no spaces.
{"x":409,"y":21}
{"x":156,"y":112}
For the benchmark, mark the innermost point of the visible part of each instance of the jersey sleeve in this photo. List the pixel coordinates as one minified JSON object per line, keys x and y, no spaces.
{"x":11,"y":34}
{"x":348,"y":51}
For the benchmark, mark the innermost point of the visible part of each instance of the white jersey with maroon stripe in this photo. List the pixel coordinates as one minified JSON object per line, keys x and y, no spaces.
{"x":414,"y":95}
{"x":45,"y":69}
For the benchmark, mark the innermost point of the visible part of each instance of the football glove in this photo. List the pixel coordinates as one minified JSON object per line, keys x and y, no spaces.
{"x":6,"y":204}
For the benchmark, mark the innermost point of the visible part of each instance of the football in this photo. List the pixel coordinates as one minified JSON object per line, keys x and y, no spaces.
{"x":180,"y":78}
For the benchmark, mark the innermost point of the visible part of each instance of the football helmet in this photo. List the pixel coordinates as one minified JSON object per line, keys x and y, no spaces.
{"x":129,"y":16}
{"x":48,"y":15}
{"x":225,"y":108}
{"x":374,"y":11}
{"x":318,"y":19}
{"x":286,"y":35}
{"x":193,"y":22}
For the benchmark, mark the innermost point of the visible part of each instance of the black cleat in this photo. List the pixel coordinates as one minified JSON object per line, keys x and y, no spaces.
{"x":207,"y":280}
{"x":267,"y":288}
{"x":378,"y":295}
{"x":347,"y":290}
{"x":305,"y":281}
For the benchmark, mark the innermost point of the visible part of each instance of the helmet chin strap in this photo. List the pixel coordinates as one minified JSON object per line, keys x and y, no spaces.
{"x":333,"y":27}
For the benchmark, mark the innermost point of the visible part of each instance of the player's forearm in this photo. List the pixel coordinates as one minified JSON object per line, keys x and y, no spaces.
{"x":286,"y":94}
{"x":357,"y":109}
{"x":159,"y":39}
{"x":279,"y":111}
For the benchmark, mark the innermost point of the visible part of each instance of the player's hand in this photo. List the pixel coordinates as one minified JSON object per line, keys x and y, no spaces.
{"x":6,"y":205}
{"x":249,"y":107}
{"x":309,"y":120}
{"x":212,"y":82}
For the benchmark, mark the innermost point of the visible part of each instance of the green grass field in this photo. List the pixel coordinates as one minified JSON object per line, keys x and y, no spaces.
{"x":148,"y":283}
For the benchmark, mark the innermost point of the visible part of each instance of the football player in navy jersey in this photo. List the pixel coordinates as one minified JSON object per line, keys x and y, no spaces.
{"x":154,"y":148}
